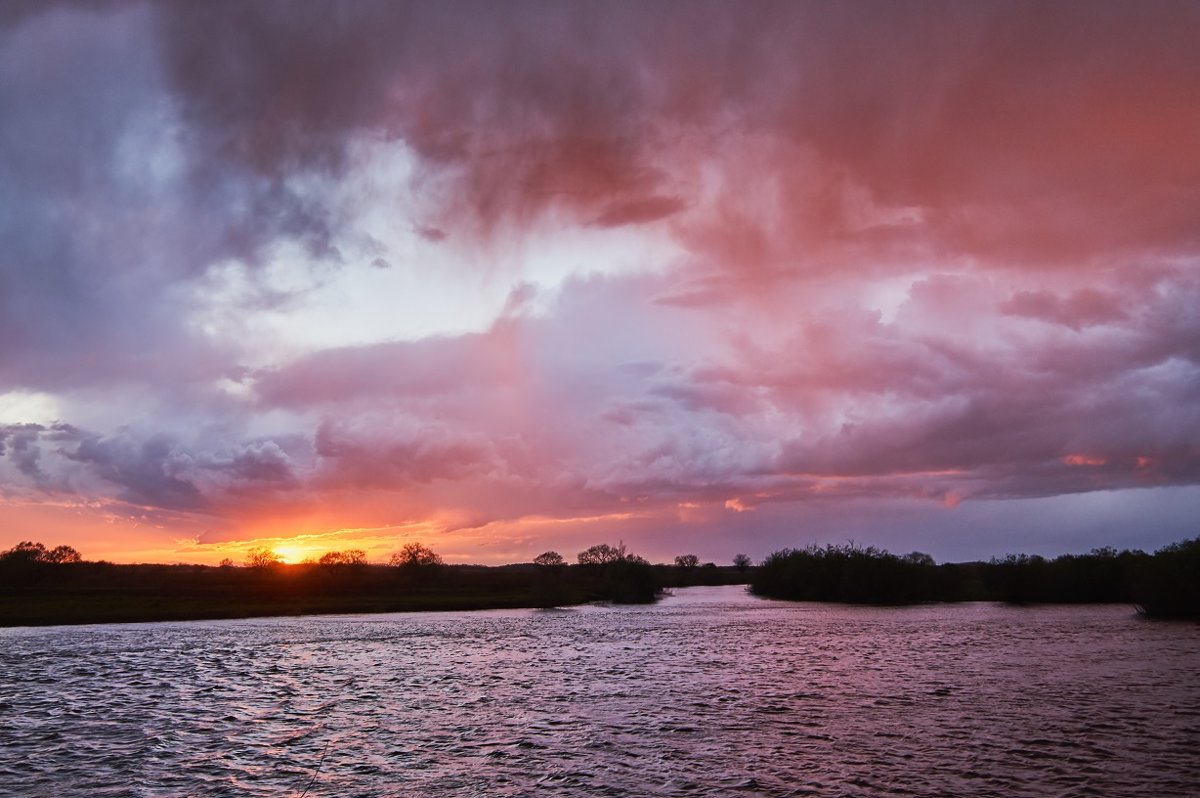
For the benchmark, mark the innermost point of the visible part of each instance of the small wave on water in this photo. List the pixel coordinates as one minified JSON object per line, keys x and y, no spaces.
{"x":708,"y":693}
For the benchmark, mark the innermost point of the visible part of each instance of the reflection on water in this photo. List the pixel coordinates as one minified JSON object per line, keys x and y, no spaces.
{"x":710,"y":692}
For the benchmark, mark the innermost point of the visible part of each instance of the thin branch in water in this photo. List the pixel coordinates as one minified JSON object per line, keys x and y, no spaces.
{"x":321,"y":762}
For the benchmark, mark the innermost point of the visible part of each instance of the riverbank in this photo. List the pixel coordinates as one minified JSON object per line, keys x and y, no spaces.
{"x":40,"y":594}
{"x":1165,"y":584}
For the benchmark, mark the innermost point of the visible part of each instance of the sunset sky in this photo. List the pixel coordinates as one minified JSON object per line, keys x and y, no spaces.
{"x":509,"y":277}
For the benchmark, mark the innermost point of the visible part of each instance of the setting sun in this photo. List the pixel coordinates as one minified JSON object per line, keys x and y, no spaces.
{"x":293,"y":554}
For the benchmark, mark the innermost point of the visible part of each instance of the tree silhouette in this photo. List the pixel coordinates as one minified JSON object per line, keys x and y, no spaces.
{"x":919,"y":558}
{"x":415,"y":555}
{"x":601,"y":554}
{"x":418,"y":563}
{"x":262,"y":558}
{"x":1167,"y":585}
{"x":742,"y":562}
{"x":25,"y":552}
{"x":343,"y":559}
{"x":549,"y":559}
{"x":550,"y":570}
{"x":63,"y":554}
{"x":29,"y":552}
{"x":687,"y":561}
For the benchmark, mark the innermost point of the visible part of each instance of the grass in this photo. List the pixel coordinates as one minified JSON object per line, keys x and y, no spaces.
{"x":41,"y":594}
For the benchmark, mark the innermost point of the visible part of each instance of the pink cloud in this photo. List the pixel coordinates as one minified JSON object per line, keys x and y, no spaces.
{"x":1083,"y":308}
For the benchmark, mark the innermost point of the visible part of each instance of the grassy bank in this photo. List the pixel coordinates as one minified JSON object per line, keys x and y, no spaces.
{"x":38,"y":593}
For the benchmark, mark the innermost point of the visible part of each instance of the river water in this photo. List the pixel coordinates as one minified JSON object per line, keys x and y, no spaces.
{"x":709,"y":692}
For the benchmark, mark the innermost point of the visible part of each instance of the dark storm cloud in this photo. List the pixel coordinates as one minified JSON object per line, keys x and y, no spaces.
{"x":18,"y":443}
{"x":1020,"y":129}
{"x":144,"y":142}
{"x":151,"y":471}
{"x":93,"y":236}
{"x":145,"y":471}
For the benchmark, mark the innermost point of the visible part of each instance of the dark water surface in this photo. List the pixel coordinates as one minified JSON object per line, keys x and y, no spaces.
{"x":710,"y":692}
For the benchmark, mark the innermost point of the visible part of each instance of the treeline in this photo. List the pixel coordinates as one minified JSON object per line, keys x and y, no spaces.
{"x":626,"y":578}
{"x":1165,"y":584}
{"x":39,"y":588}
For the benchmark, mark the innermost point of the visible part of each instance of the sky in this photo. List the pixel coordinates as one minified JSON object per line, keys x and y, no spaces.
{"x":509,"y":277}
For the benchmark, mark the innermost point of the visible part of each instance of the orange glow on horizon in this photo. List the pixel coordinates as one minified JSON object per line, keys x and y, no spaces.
{"x":1084,"y":460}
{"x":296,"y":554}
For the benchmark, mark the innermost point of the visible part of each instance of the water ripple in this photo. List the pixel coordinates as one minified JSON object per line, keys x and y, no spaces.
{"x":709,"y":693}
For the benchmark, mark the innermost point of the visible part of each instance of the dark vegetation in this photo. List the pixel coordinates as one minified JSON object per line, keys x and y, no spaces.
{"x":56,"y":586}
{"x":1167,"y":585}
{"x":1164,"y":585}
{"x":41,"y":587}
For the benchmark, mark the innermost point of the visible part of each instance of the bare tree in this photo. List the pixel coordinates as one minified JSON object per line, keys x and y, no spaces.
{"x":415,"y":555}
{"x":350,"y":557}
{"x":601,"y":554}
{"x":742,"y":562}
{"x":549,"y":559}
{"x":262,"y":558}
{"x":687,"y":561}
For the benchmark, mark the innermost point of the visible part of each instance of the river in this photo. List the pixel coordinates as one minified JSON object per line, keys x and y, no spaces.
{"x":710,"y":692}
